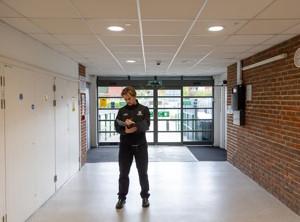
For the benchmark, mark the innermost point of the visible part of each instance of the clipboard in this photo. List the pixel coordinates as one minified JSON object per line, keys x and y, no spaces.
{"x":121,"y":123}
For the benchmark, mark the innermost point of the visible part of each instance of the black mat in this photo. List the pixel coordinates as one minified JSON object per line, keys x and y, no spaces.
{"x":208,"y":153}
{"x":103,"y":154}
{"x":202,"y":153}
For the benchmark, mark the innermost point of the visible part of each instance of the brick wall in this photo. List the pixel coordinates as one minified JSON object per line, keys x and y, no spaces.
{"x":83,"y":130}
{"x":267,"y":148}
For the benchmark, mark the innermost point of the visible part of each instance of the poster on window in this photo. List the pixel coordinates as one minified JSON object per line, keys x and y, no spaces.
{"x":102,"y":103}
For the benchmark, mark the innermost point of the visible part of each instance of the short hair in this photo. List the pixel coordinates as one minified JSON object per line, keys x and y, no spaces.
{"x":128,"y":90}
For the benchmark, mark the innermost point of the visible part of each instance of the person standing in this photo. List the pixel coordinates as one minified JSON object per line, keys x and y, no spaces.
{"x":132,"y":122}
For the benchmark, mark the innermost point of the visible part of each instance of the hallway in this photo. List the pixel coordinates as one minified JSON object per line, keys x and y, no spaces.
{"x":180,"y":191}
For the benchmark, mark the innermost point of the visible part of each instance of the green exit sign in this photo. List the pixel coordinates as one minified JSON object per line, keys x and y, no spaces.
{"x":163,"y":114}
{"x":154,"y":83}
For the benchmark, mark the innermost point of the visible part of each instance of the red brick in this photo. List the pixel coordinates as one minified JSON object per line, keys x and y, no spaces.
{"x":267,"y":148}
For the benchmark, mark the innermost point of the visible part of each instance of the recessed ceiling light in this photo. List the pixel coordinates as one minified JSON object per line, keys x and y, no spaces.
{"x":131,"y":61}
{"x":216,"y":28}
{"x":115,"y":28}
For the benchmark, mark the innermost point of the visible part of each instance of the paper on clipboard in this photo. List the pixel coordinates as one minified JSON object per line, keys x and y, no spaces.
{"x":120,"y":122}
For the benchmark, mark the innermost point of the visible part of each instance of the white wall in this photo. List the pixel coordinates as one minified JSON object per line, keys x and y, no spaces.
{"x":93,"y":111}
{"x":219,"y":109}
{"x":30,"y":69}
{"x":20,"y":47}
{"x":2,"y":153}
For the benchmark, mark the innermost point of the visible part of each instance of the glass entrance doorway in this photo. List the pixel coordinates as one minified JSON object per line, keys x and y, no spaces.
{"x":179,"y":114}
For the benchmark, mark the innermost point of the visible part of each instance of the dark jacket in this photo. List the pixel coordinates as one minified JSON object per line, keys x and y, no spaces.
{"x":141,"y":116}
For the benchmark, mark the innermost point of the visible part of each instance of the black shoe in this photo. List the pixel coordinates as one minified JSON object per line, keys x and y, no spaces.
{"x":120,"y":204}
{"x":145,"y":203}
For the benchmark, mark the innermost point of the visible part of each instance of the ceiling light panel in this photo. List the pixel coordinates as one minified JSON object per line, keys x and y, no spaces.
{"x":43,"y":9}
{"x":107,"y":9}
{"x":216,"y":28}
{"x":100,"y":27}
{"x":170,"y":9}
{"x":233,"y":9}
{"x":230,"y":27}
{"x":114,"y":28}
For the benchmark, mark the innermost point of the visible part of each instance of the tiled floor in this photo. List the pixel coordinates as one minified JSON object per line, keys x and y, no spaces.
{"x":180,"y":191}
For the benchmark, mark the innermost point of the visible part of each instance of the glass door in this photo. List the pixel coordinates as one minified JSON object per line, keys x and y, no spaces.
{"x":168,"y":116}
{"x":179,"y":114}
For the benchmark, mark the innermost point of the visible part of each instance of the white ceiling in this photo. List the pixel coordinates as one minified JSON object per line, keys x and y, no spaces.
{"x":174,"y":32}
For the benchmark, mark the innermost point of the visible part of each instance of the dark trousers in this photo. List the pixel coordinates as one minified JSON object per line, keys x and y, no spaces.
{"x":126,"y":154}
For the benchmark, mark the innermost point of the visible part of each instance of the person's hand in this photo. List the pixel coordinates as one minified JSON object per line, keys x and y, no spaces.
{"x":128,"y":122}
{"x":131,"y":130}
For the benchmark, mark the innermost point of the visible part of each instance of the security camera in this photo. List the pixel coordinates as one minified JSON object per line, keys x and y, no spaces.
{"x":158,"y":63}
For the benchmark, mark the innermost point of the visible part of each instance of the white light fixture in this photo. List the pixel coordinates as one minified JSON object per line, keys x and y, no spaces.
{"x":131,"y":61}
{"x":115,"y":28}
{"x":216,"y":28}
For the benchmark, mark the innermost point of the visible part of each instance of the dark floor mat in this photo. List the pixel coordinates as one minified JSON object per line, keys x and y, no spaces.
{"x":208,"y":153}
{"x":103,"y":154}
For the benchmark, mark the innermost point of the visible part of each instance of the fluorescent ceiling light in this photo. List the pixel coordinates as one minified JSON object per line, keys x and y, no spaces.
{"x":216,"y":28}
{"x":115,"y":28}
{"x":131,"y":61}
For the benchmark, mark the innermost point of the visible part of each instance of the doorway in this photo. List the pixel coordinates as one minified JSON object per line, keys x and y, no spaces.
{"x":180,"y":114}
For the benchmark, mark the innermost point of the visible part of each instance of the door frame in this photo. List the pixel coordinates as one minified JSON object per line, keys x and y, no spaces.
{"x":177,"y":82}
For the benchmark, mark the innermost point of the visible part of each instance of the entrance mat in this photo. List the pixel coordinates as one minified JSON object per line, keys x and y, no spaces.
{"x":208,"y":153}
{"x":155,"y":154}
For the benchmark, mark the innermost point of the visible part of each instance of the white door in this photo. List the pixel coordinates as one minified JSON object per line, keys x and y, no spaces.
{"x":61,"y":120}
{"x":2,"y":153}
{"x":73,"y":126}
{"x":45,"y":137}
{"x":19,"y":143}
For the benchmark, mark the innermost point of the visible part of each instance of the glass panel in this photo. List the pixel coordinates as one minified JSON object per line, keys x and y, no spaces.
{"x":197,"y":103}
{"x":143,"y":92}
{"x":197,"y":91}
{"x":169,"y":92}
{"x":168,"y":113}
{"x":109,"y":137}
{"x":107,"y":114}
{"x":197,"y":136}
{"x":109,"y":91}
{"x":110,"y":125}
{"x":197,"y":114}
{"x":151,"y":126}
{"x":150,"y":137}
{"x":111,"y":103}
{"x":106,"y":126}
{"x":169,"y":137}
{"x":169,"y":102}
{"x":197,"y":125}
{"x":145,"y":101}
{"x":169,"y":125}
